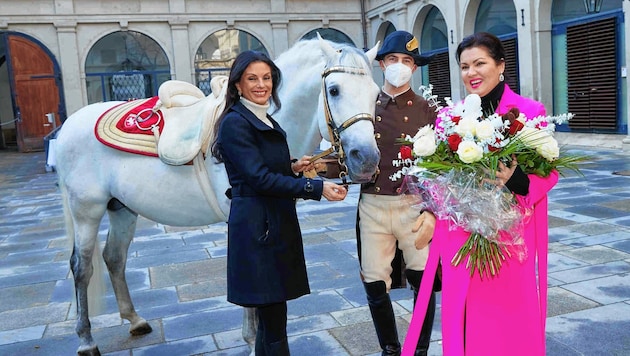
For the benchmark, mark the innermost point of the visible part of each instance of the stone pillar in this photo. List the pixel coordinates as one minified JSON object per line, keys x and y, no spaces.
{"x":527,"y":48}
{"x":626,"y":66}
{"x":401,"y":23}
{"x":72,"y":71}
{"x":279,"y":28}
{"x":182,"y":67}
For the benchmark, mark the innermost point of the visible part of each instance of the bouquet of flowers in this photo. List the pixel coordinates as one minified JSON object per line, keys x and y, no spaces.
{"x":453,"y":174}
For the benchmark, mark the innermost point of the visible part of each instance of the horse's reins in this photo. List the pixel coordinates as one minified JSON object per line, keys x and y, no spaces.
{"x":335,"y":131}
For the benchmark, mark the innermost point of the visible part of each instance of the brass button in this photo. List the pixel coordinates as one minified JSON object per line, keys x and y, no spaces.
{"x":406,"y":119}
{"x":379,"y":118}
{"x":377,"y":135}
{"x":378,"y":102}
{"x":377,"y":189}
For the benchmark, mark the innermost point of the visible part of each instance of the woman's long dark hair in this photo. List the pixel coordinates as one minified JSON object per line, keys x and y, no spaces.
{"x":482,"y":39}
{"x":242,"y":61}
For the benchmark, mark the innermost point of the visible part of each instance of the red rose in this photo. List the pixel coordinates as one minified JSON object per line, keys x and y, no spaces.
{"x":405,"y":152}
{"x":515,"y":126}
{"x":454,"y":141}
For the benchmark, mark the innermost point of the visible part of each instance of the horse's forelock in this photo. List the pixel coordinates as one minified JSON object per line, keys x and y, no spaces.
{"x":350,"y":57}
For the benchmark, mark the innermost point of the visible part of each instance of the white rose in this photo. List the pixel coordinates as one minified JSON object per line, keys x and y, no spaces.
{"x":531,"y":137}
{"x":485,"y":130}
{"x":425,"y":144}
{"x":469,"y":152}
{"x":549,"y":149}
{"x":466,"y":127}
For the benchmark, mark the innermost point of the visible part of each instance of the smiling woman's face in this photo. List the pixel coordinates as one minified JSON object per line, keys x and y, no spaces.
{"x":256,"y":83}
{"x":479,"y":71}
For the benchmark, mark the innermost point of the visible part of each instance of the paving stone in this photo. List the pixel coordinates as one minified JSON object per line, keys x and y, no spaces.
{"x":26,"y":296}
{"x":192,"y":346}
{"x":598,"y":331}
{"x":201,"y":290}
{"x":595,"y":254}
{"x":187,"y":273}
{"x":202,"y":323}
{"x":562,"y":301}
{"x":591,"y":272}
{"x":605,"y":290}
{"x":34,"y":316}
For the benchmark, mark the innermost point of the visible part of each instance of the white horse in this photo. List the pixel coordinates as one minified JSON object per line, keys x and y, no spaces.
{"x":95,"y":179}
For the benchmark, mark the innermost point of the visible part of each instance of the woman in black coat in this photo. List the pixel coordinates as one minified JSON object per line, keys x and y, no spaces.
{"x":266,"y":265}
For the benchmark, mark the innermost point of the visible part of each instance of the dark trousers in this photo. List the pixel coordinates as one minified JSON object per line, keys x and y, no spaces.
{"x":271,"y":337}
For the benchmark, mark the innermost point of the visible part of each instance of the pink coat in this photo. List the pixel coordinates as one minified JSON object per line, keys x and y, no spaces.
{"x":505,"y":315}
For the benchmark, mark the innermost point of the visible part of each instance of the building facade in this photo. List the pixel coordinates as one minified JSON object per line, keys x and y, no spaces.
{"x":57,"y":56}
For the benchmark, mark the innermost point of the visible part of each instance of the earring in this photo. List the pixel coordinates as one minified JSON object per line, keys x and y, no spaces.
{"x":501,"y":77}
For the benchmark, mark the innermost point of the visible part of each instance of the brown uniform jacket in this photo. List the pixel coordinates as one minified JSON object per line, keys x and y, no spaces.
{"x":396,"y":118}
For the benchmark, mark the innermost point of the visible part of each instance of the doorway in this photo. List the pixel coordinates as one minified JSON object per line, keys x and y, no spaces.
{"x":33,"y":84}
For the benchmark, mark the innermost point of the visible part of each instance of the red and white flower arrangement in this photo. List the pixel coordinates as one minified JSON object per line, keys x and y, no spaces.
{"x":454,"y":164}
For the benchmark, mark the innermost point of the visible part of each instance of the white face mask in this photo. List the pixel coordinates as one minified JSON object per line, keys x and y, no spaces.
{"x":397,"y":74}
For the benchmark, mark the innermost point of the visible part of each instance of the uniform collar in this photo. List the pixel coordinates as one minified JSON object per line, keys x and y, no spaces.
{"x":402,"y":100}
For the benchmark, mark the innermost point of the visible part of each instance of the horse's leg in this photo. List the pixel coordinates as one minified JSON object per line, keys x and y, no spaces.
{"x":86,"y":222}
{"x":122,"y":226}
{"x":250,"y":327}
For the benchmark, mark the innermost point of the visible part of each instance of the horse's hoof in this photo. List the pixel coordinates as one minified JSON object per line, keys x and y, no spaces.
{"x":90,"y":351}
{"x":140,"y":329}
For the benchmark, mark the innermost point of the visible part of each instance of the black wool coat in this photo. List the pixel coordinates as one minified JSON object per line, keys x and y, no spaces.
{"x":265,"y":251}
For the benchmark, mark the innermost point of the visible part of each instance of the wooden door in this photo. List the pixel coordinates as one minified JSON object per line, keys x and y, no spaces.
{"x":35,"y":90}
{"x":592,"y":75}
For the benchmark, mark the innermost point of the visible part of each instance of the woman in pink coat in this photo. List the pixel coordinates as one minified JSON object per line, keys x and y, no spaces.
{"x":504,"y":315}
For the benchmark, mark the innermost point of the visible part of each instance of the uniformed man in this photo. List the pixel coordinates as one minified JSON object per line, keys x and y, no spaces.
{"x":386,"y":221}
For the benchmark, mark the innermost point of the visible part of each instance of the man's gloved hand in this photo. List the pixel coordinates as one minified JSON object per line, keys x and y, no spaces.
{"x":424,"y":226}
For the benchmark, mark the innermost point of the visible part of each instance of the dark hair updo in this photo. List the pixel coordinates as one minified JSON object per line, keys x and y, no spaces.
{"x":482,"y":39}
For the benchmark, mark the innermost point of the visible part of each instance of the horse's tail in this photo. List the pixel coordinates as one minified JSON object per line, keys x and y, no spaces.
{"x":96,"y":287}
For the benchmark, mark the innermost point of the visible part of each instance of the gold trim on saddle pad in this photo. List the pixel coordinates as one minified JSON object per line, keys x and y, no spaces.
{"x":108,"y":133}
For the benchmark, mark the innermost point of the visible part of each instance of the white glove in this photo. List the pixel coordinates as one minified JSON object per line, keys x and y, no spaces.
{"x":424,"y":226}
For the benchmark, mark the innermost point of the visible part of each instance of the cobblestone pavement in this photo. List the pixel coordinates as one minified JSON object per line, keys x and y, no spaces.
{"x":177,"y":275}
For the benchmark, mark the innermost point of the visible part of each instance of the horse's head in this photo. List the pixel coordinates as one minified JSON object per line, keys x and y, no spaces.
{"x":348,"y":99}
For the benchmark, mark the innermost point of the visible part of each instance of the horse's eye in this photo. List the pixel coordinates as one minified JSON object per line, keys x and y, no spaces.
{"x":333,"y":91}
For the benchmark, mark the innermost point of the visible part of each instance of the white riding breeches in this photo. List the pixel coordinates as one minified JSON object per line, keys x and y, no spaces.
{"x":383,"y":220}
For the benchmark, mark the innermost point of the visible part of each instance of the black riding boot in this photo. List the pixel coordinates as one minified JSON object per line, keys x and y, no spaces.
{"x":383,"y":317}
{"x":278,"y":348}
{"x":414,"y":278}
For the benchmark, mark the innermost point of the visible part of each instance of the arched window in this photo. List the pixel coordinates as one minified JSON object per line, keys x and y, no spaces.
{"x":217,"y":52}
{"x":329,"y":34}
{"x":125,"y":65}
{"x":434,"y":41}
{"x":563,"y":10}
{"x":499,"y":18}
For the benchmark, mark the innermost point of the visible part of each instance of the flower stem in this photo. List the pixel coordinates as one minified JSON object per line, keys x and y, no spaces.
{"x":484,"y":256}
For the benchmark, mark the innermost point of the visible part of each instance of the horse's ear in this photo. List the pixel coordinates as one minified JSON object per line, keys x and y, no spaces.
{"x":328,"y":50}
{"x":371,"y":54}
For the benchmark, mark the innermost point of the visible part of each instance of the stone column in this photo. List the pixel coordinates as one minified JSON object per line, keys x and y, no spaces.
{"x":72,"y":71}
{"x":182,"y":67}
{"x":527,"y":49}
{"x":625,"y":66}
{"x":279,"y":28}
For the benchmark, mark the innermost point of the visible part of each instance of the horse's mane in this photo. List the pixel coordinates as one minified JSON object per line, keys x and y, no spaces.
{"x":350,"y":55}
